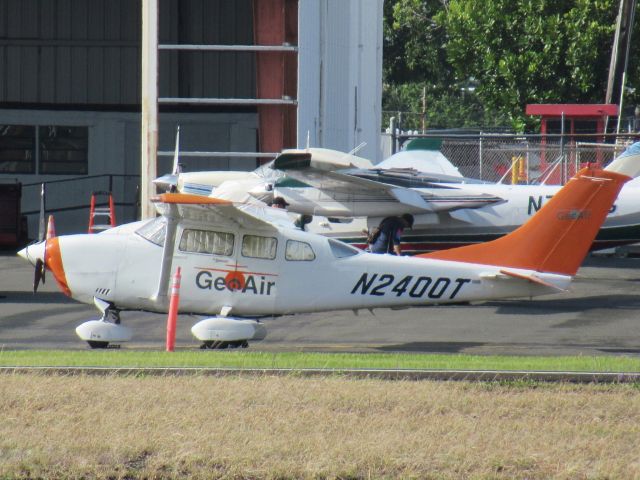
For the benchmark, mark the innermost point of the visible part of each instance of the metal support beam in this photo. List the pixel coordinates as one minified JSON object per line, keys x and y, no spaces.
{"x":229,"y":101}
{"x":232,"y":48}
{"x":219,"y":154}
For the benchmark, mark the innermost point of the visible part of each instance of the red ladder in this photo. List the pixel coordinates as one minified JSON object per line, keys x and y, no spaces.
{"x":108,"y":211}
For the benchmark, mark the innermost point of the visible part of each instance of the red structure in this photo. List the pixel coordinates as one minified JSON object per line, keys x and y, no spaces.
{"x":276,"y":23}
{"x":579,"y":118}
{"x":582,"y":122}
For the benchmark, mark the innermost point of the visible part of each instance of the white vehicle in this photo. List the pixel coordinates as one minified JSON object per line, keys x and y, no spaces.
{"x":241,"y":262}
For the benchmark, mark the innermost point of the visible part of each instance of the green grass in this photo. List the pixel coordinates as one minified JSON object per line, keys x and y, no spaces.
{"x":249,"y":359}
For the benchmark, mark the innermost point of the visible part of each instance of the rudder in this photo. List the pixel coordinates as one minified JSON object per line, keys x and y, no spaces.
{"x":558,"y":237}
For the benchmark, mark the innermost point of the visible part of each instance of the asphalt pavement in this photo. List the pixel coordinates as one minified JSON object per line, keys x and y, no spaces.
{"x":599,"y":316}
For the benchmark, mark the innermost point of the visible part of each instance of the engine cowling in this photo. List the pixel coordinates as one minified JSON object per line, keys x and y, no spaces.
{"x":228,"y":329}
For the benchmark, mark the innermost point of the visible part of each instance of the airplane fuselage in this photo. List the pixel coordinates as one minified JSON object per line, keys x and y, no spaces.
{"x":261,"y":273}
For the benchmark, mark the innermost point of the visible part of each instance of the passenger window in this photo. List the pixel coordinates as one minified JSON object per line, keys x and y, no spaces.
{"x":205,"y":241}
{"x":299,"y":251}
{"x":254,"y":246}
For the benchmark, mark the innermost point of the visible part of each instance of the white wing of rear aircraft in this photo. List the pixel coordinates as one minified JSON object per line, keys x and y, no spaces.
{"x":427,"y":161}
{"x":365,"y":191}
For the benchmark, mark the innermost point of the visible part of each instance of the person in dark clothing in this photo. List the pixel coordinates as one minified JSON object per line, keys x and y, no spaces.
{"x":302,"y":221}
{"x":387,"y":236}
{"x":279,"y":202}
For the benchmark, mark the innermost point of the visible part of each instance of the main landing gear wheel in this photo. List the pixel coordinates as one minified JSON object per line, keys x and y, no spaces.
{"x":220,"y":345}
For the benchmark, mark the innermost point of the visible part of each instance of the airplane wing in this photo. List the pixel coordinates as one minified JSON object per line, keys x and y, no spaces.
{"x":375,"y":183}
{"x":216,"y":211}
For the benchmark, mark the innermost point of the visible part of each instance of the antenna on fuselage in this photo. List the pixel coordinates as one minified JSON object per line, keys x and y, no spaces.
{"x":357,"y":149}
{"x":176,"y":154}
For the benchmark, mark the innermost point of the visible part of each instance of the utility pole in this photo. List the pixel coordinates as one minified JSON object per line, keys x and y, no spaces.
{"x":621,"y":43}
{"x":149,"y":118}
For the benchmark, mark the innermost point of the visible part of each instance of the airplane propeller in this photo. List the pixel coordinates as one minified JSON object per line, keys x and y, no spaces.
{"x":39,"y":273}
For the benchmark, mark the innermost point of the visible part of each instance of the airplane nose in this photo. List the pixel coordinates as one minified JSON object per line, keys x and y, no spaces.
{"x":32,"y":253}
{"x":54,"y":263}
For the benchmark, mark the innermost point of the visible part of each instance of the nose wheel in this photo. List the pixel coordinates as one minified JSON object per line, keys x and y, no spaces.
{"x":106,"y":331}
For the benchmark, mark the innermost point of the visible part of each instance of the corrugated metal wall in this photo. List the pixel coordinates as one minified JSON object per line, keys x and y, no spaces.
{"x":86,"y":52}
{"x":340,"y":86}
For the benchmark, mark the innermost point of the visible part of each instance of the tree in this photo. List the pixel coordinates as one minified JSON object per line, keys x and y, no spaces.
{"x":516,"y":51}
{"x":414,"y":61}
{"x":534,"y":51}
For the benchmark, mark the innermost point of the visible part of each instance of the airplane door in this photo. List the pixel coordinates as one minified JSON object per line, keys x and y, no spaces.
{"x":208,"y":259}
{"x":256,"y":277}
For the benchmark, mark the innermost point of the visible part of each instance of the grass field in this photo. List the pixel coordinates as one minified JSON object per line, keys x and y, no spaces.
{"x":287,"y":427}
{"x":249,"y":359}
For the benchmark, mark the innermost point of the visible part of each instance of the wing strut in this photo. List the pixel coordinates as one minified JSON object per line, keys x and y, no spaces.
{"x":161,"y":295}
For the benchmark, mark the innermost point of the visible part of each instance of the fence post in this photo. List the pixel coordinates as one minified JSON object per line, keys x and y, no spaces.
{"x":392,"y":126}
{"x":480,"y":154}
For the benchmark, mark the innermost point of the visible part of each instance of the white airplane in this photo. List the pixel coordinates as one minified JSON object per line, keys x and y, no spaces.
{"x":348,"y":196}
{"x":244,"y":261}
{"x":333,"y":194}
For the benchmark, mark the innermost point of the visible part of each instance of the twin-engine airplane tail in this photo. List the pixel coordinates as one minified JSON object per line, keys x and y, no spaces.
{"x":558,"y":237}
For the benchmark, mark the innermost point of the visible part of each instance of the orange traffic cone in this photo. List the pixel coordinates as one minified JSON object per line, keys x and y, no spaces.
{"x":51,"y":228}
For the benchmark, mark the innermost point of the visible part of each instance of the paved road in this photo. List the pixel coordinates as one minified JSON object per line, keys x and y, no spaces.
{"x":601,"y":315}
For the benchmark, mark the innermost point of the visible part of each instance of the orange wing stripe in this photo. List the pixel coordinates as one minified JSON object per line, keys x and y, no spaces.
{"x":189,"y":199}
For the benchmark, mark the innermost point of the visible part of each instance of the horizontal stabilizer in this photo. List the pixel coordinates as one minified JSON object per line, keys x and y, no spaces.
{"x":531,"y":278}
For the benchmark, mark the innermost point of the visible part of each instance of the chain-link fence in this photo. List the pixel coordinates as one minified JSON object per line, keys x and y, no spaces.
{"x":524,"y":159}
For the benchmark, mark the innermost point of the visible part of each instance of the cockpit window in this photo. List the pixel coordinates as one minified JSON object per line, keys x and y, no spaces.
{"x":154,"y":230}
{"x":206,"y":241}
{"x":342,"y":250}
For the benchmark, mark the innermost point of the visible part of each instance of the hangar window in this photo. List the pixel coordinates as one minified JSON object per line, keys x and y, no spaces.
{"x":154,"y":230}
{"x":254,"y":246}
{"x":205,"y":241}
{"x":17,"y":149}
{"x":63,"y":150}
{"x":299,"y":251}
{"x":44,"y":150}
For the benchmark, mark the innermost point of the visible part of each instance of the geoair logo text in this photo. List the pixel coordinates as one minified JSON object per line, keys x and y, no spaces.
{"x":256,"y":283}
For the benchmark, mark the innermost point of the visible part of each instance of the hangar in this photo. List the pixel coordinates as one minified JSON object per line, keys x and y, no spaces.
{"x":70,"y":90}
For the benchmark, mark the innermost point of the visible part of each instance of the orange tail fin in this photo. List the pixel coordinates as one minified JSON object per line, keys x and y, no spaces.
{"x":558,"y":237}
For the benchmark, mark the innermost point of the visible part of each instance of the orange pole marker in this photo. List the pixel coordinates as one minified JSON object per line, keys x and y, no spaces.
{"x":173,"y":312}
{"x":112,"y":210}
